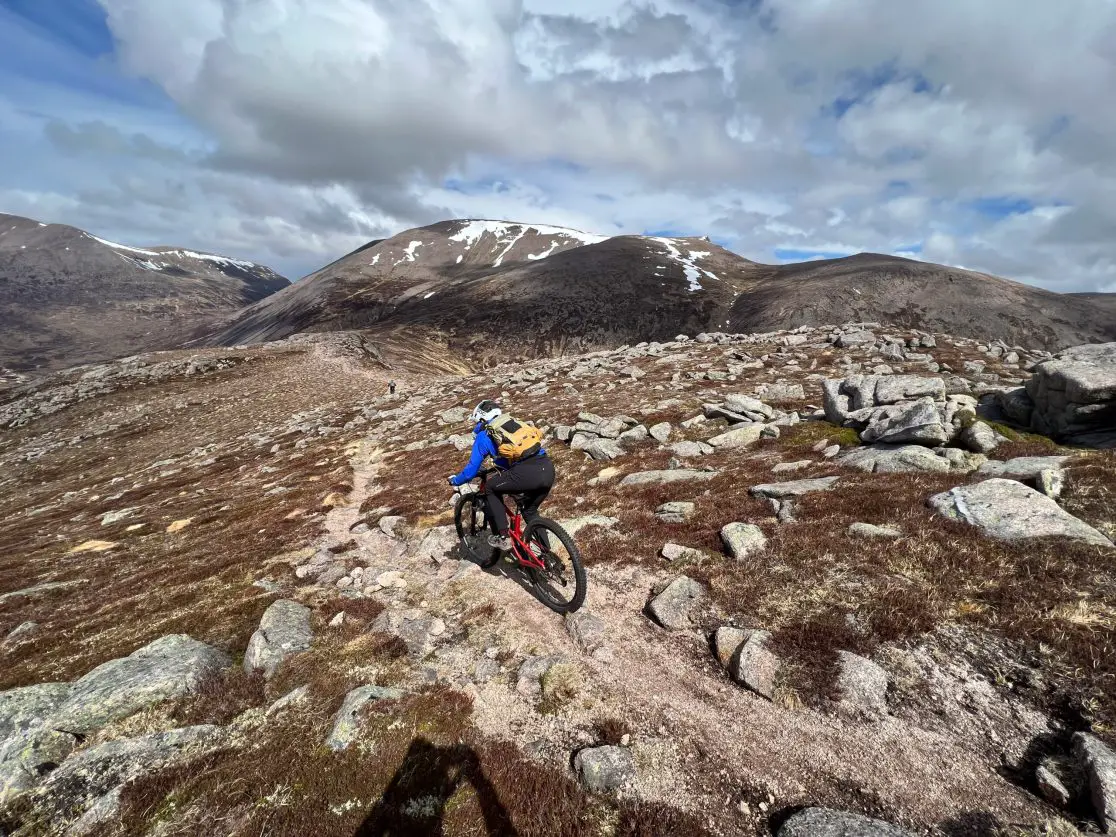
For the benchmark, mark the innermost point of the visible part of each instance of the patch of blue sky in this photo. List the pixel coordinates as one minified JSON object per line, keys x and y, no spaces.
{"x":859,"y":84}
{"x":1000,"y":206}
{"x":44,"y":50}
{"x":788,"y":254}
{"x":80,"y":25}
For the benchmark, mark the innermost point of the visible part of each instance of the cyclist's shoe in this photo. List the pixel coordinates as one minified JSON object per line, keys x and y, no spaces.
{"x":500,"y":542}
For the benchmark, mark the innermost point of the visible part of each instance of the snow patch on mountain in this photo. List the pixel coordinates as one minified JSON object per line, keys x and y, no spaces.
{"x":692,"y":271}
{"x":116,"y":246}
{"x":472,"y":231}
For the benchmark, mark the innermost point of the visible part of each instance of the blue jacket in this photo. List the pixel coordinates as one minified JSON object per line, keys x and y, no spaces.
{"x":483,"y":448}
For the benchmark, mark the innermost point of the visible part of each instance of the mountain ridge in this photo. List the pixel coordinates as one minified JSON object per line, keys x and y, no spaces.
{"x":68,"y":296}
{"x":475,"y":281}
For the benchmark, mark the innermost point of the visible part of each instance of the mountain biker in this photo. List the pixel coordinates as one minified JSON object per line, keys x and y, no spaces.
{"x":532,"y":476}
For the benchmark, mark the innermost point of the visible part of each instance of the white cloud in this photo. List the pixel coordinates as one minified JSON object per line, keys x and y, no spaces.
{"x":829,"y":125}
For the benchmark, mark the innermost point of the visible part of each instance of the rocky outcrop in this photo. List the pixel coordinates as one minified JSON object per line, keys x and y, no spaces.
{"x":166,"y":668}
{"x":1008,"y":510}
{"x":742,"y":540}
{"x":81,"y":781}
{"x":1070,"y":397}
{"x":898,"y":409}
{"x":902,"y":459}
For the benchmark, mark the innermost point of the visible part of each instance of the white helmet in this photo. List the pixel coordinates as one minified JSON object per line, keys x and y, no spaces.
{"x":486,"y":412}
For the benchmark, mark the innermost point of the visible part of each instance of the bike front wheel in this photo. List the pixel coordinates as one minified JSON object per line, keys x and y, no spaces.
{"x":563,"y":584}
{"x":471,"y":521}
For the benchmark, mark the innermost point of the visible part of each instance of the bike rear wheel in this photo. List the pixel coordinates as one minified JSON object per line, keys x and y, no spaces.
{"x":471,"y":521}
{"x":562,"y":586}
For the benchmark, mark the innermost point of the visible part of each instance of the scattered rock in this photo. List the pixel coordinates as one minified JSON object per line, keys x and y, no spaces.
{"x":797,"y":488}
{"x":675,"y":512}
{"x":674,"y":607}
{"x":743,"y":540}
{"x":825,"y":822}
{"x":1008,"y":510}
{"x":393,"y":525}
{"x":868,"y":530}
{"x":346,"y":725}
{"x":21,"y":633}
{"x":672,"y":475}
{"x":786,"y":467}
{"x":418,"y":629}
{"x":738,"y":437}
{"x":691,"y":450}
{"x":1022,"y":468}
{"x":531,"y":671}
{"x":284,"y":630}
{"x":289,"y":699}
{"x":756,"y":666}
{"x":676,"y":552}
{"x":661,"y":432}
{"x":1060,"y":780}
{"x":604,"y":769}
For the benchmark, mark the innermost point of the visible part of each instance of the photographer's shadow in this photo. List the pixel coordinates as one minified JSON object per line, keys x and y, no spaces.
{"x":415,"y":801}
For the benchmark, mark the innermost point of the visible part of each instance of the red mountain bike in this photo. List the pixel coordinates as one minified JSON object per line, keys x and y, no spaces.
{"x":542,"y":549}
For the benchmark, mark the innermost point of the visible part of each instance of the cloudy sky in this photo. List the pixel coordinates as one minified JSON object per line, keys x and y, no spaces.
{"x":979,"y":134}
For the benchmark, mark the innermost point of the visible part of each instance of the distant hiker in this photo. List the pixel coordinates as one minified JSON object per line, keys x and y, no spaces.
{"x":391,"y":387}
{"x":515,"y":447}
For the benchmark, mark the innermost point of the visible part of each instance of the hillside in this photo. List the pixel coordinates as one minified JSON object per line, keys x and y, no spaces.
{"x":67,"y":297}
{"x":832,"y":575}
{"x":490,"y":290}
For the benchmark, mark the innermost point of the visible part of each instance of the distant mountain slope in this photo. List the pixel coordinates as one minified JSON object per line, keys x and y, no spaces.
{"x":505,"y":287}
{"x":68,"y":297}
{"x":497,"y":287}
{"x":931,"y":297}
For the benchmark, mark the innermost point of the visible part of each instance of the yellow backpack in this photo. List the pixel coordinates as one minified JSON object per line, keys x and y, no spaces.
{"x":514,"y":439}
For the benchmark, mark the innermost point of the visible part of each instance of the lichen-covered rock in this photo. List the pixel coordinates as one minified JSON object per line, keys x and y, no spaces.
{"x":346,"y":724}
{"x":795,"y":488}
{"x":894,"y":459}
{"x":586,"y":629}
{"x":979,"y":438}
{"x":82,"y":779}
{"x":739,"y":437}
{"x":604,"y":769}
{"x":675,"y":512}
{"x":742,"y":540}
{"x":166,"y":668}
{"x":1009,"y":510}
{"x":917,"y":422}
{"x":284,"y":630}
{"x":755,"y":665}
{"x":27,"y":756}
{"x":668,"y":476}
{"x":30,"y":706}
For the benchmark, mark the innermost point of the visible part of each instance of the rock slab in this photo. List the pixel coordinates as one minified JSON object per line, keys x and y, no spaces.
{"x":1008,"y":510}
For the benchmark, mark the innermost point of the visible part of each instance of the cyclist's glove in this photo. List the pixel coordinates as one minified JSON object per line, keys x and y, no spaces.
{"x":452,"y":480}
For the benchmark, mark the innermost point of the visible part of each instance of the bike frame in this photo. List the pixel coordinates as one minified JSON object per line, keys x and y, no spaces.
{"x":520,"y":548}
